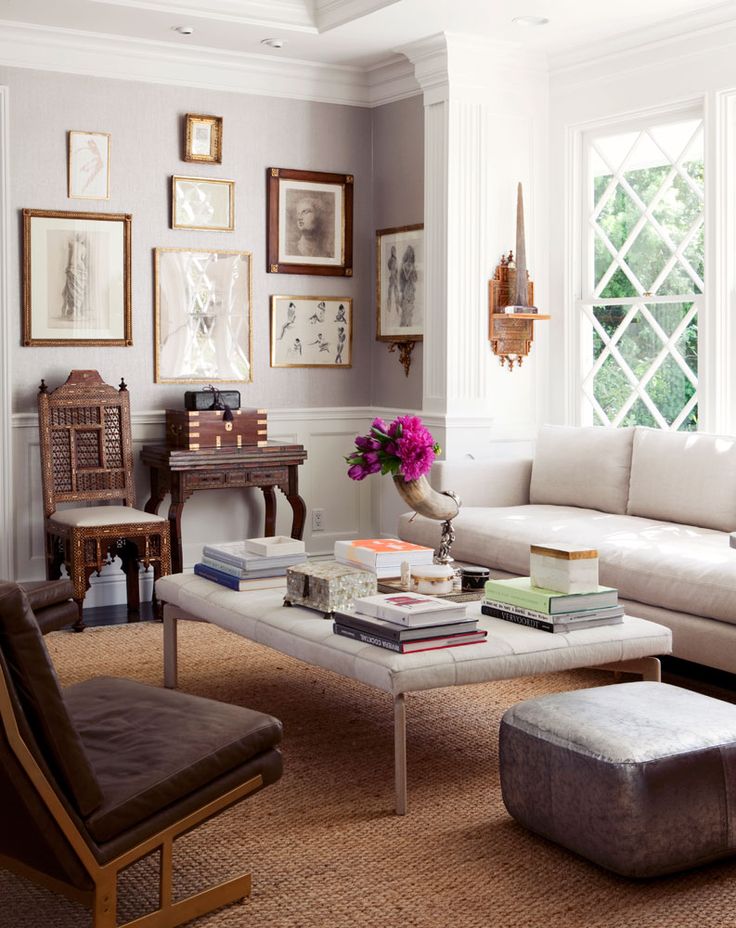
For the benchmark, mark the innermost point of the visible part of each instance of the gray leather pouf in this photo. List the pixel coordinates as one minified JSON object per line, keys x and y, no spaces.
{"x":637,"y":777}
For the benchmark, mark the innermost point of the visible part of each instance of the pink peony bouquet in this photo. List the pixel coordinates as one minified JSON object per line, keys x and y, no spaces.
{"x":404,"y":448}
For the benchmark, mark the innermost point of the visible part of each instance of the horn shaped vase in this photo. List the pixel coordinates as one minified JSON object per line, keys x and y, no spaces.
{"x":420,"y":496}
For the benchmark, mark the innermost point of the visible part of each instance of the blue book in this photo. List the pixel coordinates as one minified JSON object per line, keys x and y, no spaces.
{"x":267,"y":580}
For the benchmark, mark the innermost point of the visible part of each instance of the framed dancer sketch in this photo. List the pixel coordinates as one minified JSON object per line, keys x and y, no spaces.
{"x":400,"y":284}
{"x":88,"y":175}
{"x":76,"y":278}
{"x":310,"y":222}
{"x":311,"y":331}
{"x":203,"y":324}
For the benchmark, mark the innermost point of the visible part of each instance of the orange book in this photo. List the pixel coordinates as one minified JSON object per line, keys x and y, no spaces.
{"x":383,"y":556}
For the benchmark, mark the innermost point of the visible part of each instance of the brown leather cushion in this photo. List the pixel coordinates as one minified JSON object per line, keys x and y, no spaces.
{"x":44,"y":593}
{"x":38,"y":690}
{"x":152,"y":747}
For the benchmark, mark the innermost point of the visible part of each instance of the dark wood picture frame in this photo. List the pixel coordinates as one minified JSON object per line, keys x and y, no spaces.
{"x":340,"y":263}
{"x":34,"y":314}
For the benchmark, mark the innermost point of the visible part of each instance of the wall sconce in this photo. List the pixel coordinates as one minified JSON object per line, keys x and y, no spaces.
{"x":511,"y":309}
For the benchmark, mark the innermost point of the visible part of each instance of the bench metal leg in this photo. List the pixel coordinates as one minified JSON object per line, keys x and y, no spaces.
{"x":400,"y":752}
{"x":170,"y":648}
{"x":650,"y":668}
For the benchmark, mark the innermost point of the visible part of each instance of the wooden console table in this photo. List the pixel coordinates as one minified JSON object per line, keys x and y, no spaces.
{"x":182,"y":473}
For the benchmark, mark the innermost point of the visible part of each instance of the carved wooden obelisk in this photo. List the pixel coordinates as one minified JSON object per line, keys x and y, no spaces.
{"x":521,"y":294}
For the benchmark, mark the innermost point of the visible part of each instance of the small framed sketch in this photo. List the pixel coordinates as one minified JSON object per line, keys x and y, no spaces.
{"x":76,"y":278}
{"x":310,"y":222}
{"x":88,"y":176}
{"x":202,"y":203}
{"x":203,"y":325}
{"x":311,"y":331}
{"x":203,"y":139}
{"x":400,"y":284}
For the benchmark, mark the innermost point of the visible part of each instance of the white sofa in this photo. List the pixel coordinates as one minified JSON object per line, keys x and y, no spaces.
{"x":658,"y":506}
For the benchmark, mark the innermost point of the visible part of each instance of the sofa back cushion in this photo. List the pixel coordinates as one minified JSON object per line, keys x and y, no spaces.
{"x":684,"y":477}
{"x":585,"y":467}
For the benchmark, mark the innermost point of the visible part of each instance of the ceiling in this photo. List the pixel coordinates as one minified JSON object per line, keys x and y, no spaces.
{"x":366,"y":33}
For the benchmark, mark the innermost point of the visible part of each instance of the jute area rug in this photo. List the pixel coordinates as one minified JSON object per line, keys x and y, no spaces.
{"x":323,"y":845}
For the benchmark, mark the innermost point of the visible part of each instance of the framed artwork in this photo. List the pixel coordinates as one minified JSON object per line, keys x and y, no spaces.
{"x":203,"y":324}
{"x":88,"y":174}
{"x":400,"y":284}
{"x":310,"y":222}
{"x":203,"y":139}
{"x":76,"y":278}
{"x":311,"y":331}
{"x":202,"y":203}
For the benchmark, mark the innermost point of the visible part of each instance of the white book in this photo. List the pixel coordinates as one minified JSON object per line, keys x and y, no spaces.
{"x":413,"y":609}
{"x":235,"y":553}
{"x":274,"y":546}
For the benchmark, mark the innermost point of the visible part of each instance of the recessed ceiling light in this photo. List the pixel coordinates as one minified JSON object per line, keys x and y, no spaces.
{"x":273,"y":43}
{"x":530,"y":20}
{"x":183,"y":30}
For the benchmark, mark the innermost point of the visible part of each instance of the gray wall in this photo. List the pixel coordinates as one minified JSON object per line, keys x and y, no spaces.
{"x":146,"y":125}
{"x":398,"y":200}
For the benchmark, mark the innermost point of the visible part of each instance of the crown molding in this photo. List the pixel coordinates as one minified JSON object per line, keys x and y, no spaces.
{"x":334,"y":13}
{"x":75,"y":52}
{"x":689,"y":34}
{"x":296,"y":15}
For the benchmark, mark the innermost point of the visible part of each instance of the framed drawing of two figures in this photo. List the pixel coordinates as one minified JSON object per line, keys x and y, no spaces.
{"x":400,"y":284}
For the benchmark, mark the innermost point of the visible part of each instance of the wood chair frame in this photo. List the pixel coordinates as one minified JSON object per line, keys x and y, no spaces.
{"x":102,"y":900}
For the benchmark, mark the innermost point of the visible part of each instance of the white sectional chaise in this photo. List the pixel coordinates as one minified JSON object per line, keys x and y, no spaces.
{"x":658,"y":506}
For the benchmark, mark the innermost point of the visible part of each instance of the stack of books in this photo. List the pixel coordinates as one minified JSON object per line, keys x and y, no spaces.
{"x":256,"y":563}
{"x":519,"y":601}
{"x":408,"y":622}
{"x":383,"y":556}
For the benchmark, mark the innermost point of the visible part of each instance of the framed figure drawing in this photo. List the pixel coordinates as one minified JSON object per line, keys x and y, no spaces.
{"x":76,"y":278}
{"x":88,"y":176}
{"x":203,"y":326}
{"x":203,"y":139}
{"x":311,"y":331}
{"x":400,"y":284}
{"x":310,"y":222}
{"x":202,"y":203}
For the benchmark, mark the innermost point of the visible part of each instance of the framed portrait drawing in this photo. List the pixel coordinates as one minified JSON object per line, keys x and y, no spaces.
{"x":311,"y":331}
{"x":202,"y":203}
{"x":310,"y":222}
{"x":203,"y":138}
{"x":76,"y":278}
{"x":88,"y":165}
{"x":400,"y":284}
{"x":203,"y":325}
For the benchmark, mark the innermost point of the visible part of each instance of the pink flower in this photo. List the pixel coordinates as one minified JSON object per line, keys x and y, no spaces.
{"x":357,"y":472}
{"x":403,"y":447}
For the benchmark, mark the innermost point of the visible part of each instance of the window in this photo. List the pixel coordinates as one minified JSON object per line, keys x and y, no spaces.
{"x":643,"y":274}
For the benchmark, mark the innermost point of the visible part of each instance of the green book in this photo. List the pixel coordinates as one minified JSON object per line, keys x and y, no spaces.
{"x":520,"y":592}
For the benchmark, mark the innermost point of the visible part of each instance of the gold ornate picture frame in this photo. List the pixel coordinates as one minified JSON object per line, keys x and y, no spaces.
{"x":203,"y":316}
{"x":203,"y":138}
{"x":312,"y":331}
{"x":76,"y":278}
{"x":205,"y":203}
{"x":310,"y":222}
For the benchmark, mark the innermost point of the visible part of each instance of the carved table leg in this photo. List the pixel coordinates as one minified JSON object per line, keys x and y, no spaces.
{"x":158,"y":491}
{"x":177,"y":557}
{"x":298,"y":506}
{"x":270,"y":498}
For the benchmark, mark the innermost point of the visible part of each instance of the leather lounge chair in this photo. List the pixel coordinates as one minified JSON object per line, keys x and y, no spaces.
{"x":97,"y":775}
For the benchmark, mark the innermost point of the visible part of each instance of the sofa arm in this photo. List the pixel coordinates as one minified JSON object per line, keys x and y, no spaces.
{"x":487,"y":482}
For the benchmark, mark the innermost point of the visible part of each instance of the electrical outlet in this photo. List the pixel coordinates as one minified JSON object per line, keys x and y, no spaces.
{"x":318,"y":520}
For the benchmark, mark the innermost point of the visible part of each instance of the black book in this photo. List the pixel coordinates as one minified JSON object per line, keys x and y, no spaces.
{"x":410,"y":647}
{"x":395,"y":632}
{"x":545,"y":626}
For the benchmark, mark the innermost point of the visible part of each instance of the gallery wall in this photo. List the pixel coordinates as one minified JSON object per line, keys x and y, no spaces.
{"x":146,"y":122}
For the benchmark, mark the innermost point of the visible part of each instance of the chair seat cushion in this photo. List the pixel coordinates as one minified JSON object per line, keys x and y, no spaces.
{"x":637,"y":777}
{"x":101,"y":516}
{"x":152,"y":747}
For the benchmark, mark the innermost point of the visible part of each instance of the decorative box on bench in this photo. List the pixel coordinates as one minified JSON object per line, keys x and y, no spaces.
{"x":327,"y":586}
{"x":210,"y":428}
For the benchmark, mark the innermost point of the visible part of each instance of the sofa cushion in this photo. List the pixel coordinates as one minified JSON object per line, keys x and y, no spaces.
{"x":39,"y":694}
{"x":681,"y":567}
{"x":152,"y":747}
{"x":684,"y":477}
{"x":586,"y":467}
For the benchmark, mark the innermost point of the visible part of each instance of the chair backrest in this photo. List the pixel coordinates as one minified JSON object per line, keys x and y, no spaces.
{"x":86,"y":449}
{"x":33,"y":680}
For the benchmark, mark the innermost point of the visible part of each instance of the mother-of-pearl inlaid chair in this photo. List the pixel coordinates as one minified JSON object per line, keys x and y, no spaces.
{"x":87,"y":458}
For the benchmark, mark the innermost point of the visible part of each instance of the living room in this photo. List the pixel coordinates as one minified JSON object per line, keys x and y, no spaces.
{"x":619,"y":125}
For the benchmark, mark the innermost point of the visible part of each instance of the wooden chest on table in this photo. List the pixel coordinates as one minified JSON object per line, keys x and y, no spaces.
{"x":327,"y":586}
{"x":207,"y":428}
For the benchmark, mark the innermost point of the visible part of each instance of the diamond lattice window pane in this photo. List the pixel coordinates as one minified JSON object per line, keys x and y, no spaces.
{"x":640,"y":414}
{"x":687,"y":345}
{"x":670,"y":389}
{"x":672,"y":137}
{"x":640,"y":345}
{"x":610,"y":318}
{"x":611,"y":387}
{"x":645,"y":182}
{"x":669,"y":315}
{"x":618,"y":217}
{"x":619,"y":286}
{"x":614,"y":148}
{"x":678,"y":209}
{"x":647,"y":256}
{"x":678,"y":282}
